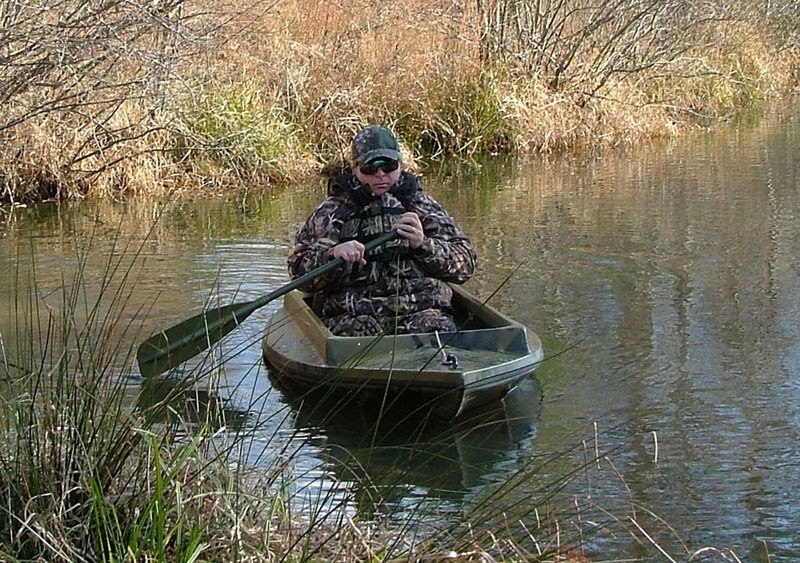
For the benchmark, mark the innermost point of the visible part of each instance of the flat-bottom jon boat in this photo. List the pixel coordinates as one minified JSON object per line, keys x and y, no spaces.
{"x":451,"y":373}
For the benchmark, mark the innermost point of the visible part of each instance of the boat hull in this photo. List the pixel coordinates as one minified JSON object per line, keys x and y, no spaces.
{"x":450,"y":373}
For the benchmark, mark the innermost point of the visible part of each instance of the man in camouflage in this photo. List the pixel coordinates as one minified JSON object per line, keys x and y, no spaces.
{"x":397,"y":287}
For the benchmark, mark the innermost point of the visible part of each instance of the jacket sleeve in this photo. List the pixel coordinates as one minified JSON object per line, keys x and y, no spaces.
{"x":318,"y":234}
{"x":447,"y":253}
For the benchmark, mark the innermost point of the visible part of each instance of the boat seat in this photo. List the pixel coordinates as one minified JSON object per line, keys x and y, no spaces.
{"x":315,"y":300}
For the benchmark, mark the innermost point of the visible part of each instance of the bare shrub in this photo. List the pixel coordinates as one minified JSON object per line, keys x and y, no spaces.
{"x":92,"y":75}
{"x":580,"y":45}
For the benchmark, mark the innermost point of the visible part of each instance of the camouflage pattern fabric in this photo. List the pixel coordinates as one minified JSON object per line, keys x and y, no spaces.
{"x":400,"y":289}
{"x":375,"y":141}
{"x":428,"y":320}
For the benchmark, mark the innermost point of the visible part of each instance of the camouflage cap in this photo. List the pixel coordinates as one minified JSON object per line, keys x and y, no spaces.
{"x":375,"y":141}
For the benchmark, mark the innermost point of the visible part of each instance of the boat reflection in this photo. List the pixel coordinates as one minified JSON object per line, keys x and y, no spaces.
{"x":390,"y":459}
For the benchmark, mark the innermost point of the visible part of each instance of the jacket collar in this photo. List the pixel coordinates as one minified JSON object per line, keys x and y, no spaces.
{"x":348,"y":186}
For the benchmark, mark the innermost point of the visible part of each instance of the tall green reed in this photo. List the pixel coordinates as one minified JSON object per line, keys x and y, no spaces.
{"x":87,"y":473}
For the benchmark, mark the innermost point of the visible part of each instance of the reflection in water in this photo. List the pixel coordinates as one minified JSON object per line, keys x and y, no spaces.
{"x":393,"y":460}
{"x":677,"y":269}
{"x":183,"y":403}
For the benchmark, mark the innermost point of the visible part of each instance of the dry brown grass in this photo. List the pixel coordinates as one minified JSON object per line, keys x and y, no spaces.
{"x":323,"y":69}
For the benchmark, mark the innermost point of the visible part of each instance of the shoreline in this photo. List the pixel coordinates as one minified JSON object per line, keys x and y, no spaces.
{"x":179,"y":105}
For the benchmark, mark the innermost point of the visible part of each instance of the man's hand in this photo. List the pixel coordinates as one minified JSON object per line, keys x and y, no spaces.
{"x":410,"y":227}
{"x":351,"y":251}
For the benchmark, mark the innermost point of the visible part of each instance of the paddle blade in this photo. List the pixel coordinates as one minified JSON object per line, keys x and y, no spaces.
{"x":177,"y":344}
{"x":169,"y":348}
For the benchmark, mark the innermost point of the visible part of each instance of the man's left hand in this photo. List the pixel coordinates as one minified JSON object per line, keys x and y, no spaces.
{"x":410,"y":227}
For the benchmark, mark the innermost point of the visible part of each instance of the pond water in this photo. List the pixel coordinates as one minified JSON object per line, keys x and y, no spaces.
{"x":664,"y":282}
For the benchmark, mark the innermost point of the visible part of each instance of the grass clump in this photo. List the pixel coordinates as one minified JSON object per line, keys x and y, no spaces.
{"x":236,"y":136}
{"x":75,"y":463}
{"x":93,"y":469}
{"x":85,"y":476}
{"x":468,"y":118}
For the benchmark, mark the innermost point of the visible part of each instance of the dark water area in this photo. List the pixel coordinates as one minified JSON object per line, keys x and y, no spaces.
{"x":664,"y":282}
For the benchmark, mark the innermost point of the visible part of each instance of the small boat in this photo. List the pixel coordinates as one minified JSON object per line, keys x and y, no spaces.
{"x":452,"y":372}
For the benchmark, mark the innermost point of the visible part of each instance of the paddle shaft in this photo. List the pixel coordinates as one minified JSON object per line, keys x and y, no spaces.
{"x":175,"y":345}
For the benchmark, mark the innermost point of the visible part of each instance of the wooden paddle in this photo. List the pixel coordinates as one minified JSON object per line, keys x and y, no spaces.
{"x":175,"y":345}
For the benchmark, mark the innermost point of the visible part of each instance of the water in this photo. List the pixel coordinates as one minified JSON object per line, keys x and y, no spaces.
{"x":663,"y":282}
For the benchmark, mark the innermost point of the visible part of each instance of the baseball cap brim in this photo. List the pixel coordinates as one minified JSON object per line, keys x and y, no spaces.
{"x":390,"y":154}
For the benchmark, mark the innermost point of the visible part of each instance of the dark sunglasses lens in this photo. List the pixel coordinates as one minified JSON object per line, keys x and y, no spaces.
{"x":387,"y":166}
{"x":390,"y":166}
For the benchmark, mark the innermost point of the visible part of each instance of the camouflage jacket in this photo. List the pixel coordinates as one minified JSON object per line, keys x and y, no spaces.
{"x":396,"y":280}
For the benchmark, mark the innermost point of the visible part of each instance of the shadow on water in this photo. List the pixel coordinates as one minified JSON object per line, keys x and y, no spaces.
{"x":187,"y":402}
{"x":393,"y":456}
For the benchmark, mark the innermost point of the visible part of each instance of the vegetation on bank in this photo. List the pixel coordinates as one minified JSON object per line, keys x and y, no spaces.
{"x":191,"y":97}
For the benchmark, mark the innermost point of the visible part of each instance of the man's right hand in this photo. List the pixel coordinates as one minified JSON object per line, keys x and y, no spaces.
{"x":351,"y":252}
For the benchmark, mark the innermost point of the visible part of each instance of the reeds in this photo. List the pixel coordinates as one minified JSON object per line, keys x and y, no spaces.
{"x":90,"y":473}
{"x":196,"y":98}
{"x":76,"y":464}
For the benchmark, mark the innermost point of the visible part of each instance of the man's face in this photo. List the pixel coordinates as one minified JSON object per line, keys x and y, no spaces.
{"x":375,"y":175}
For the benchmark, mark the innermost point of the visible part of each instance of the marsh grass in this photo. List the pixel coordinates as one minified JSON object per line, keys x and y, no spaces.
{"x":84,"y":476}
{"x":235,"y":135}
{"x":90,"y":473}
{"x":74,"y":455}
{"x":199,"y":98}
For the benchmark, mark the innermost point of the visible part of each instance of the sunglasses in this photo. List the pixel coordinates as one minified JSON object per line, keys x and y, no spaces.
{"x":372,"y":167}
